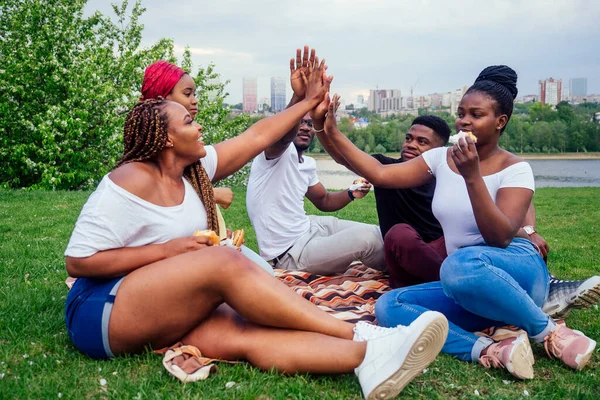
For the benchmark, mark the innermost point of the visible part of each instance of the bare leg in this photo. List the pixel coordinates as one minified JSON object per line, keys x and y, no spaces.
{"x":227,"y":335}
{"x":160,"y":303}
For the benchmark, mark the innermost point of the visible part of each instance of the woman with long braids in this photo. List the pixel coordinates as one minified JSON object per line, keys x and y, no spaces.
{"x":491,"y":277}
{"x":166,"y":80}
{"x":146,"y":281}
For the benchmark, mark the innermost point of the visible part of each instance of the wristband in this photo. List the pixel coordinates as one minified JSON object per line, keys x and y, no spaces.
{"x":351,"y":195}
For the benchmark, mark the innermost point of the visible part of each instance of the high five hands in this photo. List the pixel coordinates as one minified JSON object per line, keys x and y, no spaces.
{"x":308,"y":76}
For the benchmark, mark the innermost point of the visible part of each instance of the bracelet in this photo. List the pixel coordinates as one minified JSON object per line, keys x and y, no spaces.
{"x":351,"y":195}
{"x":320,"y":130}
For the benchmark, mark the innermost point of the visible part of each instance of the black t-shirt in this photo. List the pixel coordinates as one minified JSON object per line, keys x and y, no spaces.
{"x":407,"y":206}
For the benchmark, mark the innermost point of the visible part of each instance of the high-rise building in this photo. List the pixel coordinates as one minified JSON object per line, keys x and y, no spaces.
{"x":551,"y":91}
{"x":455,"y":98}
{"x":385,"y":101}
{"x":278,"y":94}
{"x":249,"y":95}
{"x":566,"y":93}
{"x":578,"y":87}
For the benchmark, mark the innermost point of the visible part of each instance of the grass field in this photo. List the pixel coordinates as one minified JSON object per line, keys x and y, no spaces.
{"x":37,"y":361}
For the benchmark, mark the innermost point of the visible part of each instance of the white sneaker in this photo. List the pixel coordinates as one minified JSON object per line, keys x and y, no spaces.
{"x":395,"y":356}
{"x":364,"y":331}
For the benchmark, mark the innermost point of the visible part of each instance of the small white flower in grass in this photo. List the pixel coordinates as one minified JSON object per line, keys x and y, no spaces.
{"x":229,"y":385}
{"x":59,"y":395}
{"x":525,"y":393}
{"x":115,"y":373}
{"x":102,"y":382}
{"x":426,"y":370}
{"x":596,"y":306}
{"x":476,"y":392}
{"x":30,"y":362}
{"x":25,"y":355}
{"x":2,"y":375}
{"x":451,"y":386}
{"x":138,"y":396}
{"x":99,"y":369}
{"x":58,"y":361}
{"x":507,"y":382}
{"x":45,"y":356}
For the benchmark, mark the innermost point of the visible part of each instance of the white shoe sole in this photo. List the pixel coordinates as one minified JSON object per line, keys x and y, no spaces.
{"x":585,"y":296}
{"x":521,"y":360}
{"x":422,"y":352}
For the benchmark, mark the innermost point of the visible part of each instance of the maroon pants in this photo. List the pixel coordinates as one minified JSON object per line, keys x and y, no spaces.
{"x":409,"y":260}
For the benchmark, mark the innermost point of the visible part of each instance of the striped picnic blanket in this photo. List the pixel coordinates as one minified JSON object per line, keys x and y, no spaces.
{"x":350,"y":296}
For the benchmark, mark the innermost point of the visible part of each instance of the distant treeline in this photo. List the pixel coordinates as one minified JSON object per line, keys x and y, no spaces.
{"x":533,"y":128}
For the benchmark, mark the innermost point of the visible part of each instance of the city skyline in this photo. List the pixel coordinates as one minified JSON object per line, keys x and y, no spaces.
{"x":432,"y":46}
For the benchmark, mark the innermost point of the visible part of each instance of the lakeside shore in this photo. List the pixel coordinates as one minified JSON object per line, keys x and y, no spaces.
{"x":526,"y":156}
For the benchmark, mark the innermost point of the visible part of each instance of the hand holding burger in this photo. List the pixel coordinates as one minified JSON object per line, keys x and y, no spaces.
{"x":359,"y":188}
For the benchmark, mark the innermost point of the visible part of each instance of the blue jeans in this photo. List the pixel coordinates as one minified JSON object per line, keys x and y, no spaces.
{"x":481,"y":286}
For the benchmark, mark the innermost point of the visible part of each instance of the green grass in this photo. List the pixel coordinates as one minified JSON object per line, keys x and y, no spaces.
{"x":38,"y":361}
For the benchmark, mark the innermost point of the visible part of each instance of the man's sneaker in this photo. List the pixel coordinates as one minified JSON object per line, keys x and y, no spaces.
{"x":514,"y":354}
{"x":395,"y":356}
{"x":571,"y":346}
{"x":565,"y":296}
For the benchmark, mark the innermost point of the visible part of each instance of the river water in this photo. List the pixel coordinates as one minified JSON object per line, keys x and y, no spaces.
{"x":548,"y":173}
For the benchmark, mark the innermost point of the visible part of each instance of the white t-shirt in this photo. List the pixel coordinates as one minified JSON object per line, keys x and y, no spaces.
{"x":275,"y":200}
{"x":114,"y":218}
{"x":451,"y":203}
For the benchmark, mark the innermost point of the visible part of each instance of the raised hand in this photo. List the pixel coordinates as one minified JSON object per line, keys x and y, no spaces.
{"x":297,"y":66}
{"x":315,"y":81}
{"x":318,"y":113}
{"x":465,"y":157}
{"x":330,"y":121}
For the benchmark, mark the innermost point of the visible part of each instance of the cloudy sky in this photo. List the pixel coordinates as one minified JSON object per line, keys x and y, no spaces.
{"x":431,"y":45}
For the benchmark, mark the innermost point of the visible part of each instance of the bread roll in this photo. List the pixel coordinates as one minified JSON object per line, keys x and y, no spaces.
{"x":211,"y":235}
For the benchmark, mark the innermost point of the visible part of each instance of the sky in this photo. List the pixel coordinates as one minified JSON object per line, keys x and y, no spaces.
{"x":429,"y":45}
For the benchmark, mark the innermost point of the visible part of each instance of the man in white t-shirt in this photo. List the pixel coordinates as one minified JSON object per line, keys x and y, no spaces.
{"x":280,"y":177}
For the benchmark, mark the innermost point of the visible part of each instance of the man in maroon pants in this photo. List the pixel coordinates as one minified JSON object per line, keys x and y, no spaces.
{"x":413,"y":239}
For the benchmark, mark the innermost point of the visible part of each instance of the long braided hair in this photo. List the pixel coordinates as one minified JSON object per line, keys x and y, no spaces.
{"x":145,"y":136}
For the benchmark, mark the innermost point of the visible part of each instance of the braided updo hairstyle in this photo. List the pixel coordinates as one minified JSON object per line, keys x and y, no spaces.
{"x":145,"y":136}
{"x":499,"y":82}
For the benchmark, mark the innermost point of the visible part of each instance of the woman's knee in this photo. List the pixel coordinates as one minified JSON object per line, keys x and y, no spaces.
{"x":223,"y":263}
{"x":461,"y":271}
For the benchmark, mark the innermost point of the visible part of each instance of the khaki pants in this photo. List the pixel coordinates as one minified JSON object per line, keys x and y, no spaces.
{"x":332,"y":244}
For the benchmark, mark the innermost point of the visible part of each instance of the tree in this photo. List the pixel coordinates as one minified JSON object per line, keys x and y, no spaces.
{"x":542,"y":112}
{"x":67,"y":83}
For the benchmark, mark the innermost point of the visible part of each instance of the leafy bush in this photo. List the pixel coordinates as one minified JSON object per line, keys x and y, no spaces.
{"x":67,"y":83}
{"x":380,"y":149}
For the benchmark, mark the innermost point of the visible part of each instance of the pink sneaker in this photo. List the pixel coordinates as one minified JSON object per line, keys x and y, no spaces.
{"x":513,"y":353}
{"x":571,"y":346}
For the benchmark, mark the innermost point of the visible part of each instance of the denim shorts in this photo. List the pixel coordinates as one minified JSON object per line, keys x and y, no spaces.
{"x":87,"y":313}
